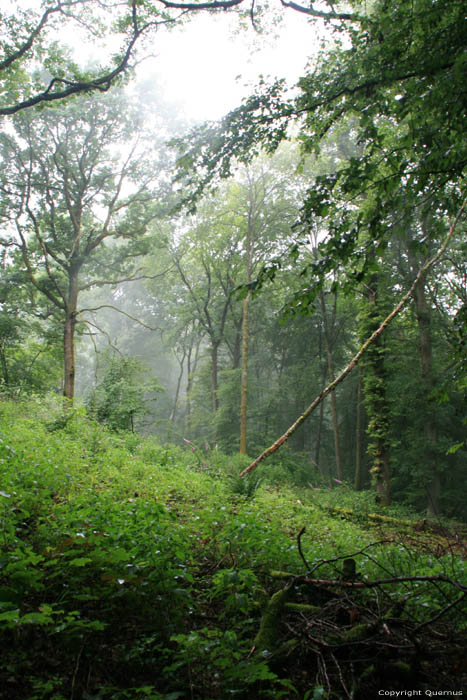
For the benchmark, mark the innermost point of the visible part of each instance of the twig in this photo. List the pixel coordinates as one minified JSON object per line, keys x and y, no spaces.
{"x":341,"y":677}
{"x":441,"y":612}
{"x":345,"y":556}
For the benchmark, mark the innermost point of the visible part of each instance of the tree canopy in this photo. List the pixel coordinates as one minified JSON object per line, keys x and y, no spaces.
{"x":396,"y":79}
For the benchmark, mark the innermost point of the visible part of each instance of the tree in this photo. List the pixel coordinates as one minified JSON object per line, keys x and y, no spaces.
{"x":402,"y":101}
{"x":32,"y":37}
{"x":123,"y":393}
{"x":29,"y":338}
{"x":220,"y":248}
{"x":76,"y":209}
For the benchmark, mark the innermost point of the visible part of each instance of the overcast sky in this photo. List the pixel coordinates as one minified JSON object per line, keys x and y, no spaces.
{"x":199,"y":64}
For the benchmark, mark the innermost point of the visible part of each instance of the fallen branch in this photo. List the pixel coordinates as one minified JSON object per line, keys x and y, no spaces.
{"x":382,"y":582}
{"x":353,"y":363}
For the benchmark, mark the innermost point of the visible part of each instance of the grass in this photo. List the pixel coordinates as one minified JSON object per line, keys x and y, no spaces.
{"x":129,"y":569}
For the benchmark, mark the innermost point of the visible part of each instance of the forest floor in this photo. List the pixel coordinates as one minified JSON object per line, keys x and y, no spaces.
{"x":131,"y":569}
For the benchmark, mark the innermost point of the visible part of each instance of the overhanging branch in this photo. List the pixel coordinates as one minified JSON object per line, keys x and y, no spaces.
{"x":120,"y":311}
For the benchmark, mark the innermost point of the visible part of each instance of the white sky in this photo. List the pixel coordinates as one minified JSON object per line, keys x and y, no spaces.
{"x":199,"y":65}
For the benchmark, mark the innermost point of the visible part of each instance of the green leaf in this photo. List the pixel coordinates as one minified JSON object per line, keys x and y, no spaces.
{"x":455,"y":448}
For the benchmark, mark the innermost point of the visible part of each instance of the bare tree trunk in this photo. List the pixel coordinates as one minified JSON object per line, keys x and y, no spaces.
{"x":69,"y":336}
{"x":359,"y":434}
{"x":190,"y":373}
{"x":214,"y":375}
{"x":335,"y":422}
{"x":237,"y":348}
{"x":181,"y":362}
{"x":6,"y":379}
{"x":321,"y":406}
{"x":244,"y":382}
{"x":422,"y":312}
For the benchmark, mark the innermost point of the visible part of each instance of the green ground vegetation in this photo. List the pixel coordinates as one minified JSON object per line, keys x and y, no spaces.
{"x":133,"y":569}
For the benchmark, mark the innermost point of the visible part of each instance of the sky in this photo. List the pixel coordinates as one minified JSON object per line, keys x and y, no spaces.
{"x":206,"y":68}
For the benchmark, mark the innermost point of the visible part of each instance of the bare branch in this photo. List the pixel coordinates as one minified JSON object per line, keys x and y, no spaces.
{"x":384,"y":581}
{"x":319,"y":14}
{"x":132,"y":278}
{"x":101,"y":330}
{"x":120,"y":311}
{"x":192,"y":6}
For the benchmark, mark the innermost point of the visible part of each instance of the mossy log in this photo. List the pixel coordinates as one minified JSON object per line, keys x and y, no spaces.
{"x":400,"y":523}
{"x":303,"y":608}
{"x":266,"y":640}
{"x":355,"y":634}
{"x":281,"y":574}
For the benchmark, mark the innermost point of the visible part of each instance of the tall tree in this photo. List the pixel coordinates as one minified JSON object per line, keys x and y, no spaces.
{"x":77,"y":209}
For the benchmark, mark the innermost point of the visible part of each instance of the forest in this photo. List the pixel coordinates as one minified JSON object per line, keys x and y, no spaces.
{"x":233,"y":359}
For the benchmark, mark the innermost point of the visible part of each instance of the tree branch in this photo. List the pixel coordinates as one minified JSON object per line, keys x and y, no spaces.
{"x":72,"y":87}
{"x":319,"y":14}
{"x":120,"y":311}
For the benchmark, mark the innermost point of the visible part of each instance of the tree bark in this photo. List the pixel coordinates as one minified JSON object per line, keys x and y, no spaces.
{"x":358,"y":434}
{"x":244,"y":381}
{"x":69,"y":335}
{"x":423,"y":316}
{"x":335,"y":422}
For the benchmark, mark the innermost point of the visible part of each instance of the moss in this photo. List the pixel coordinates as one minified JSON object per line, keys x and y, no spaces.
{"x":266,"y":639}
{"x":354,"y":634}
{"x":303,"y":608}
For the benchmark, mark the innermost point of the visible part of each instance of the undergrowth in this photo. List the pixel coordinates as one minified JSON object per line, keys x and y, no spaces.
{"x":131,"y":569}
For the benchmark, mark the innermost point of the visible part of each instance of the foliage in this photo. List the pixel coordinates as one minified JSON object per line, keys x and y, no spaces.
{"x":121,"y":554}
{"x":124,"y":393}
{"x":400,"y":102}
{"x":35,"y":37}
{"x":68,"y":220}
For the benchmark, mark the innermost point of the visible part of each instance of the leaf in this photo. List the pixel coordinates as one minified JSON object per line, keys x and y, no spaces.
{"x":455,"y":448}
{"x":80,"y":561}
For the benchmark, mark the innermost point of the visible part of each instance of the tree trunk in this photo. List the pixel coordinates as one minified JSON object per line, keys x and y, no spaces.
{"x":244,"y":382}
{"x":171,"y":422}
{"x":422,"y":312}
{"x":237,"y":348}
{"x":6,"y":379}
{"x":359,"y":434}
{"x":374,"y":389}
{"x":214,"y":373}
{"x":321,"y":407}
{"x":192,"y":364}
{"x":335,"y":422}
{"x":69,"y":336}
